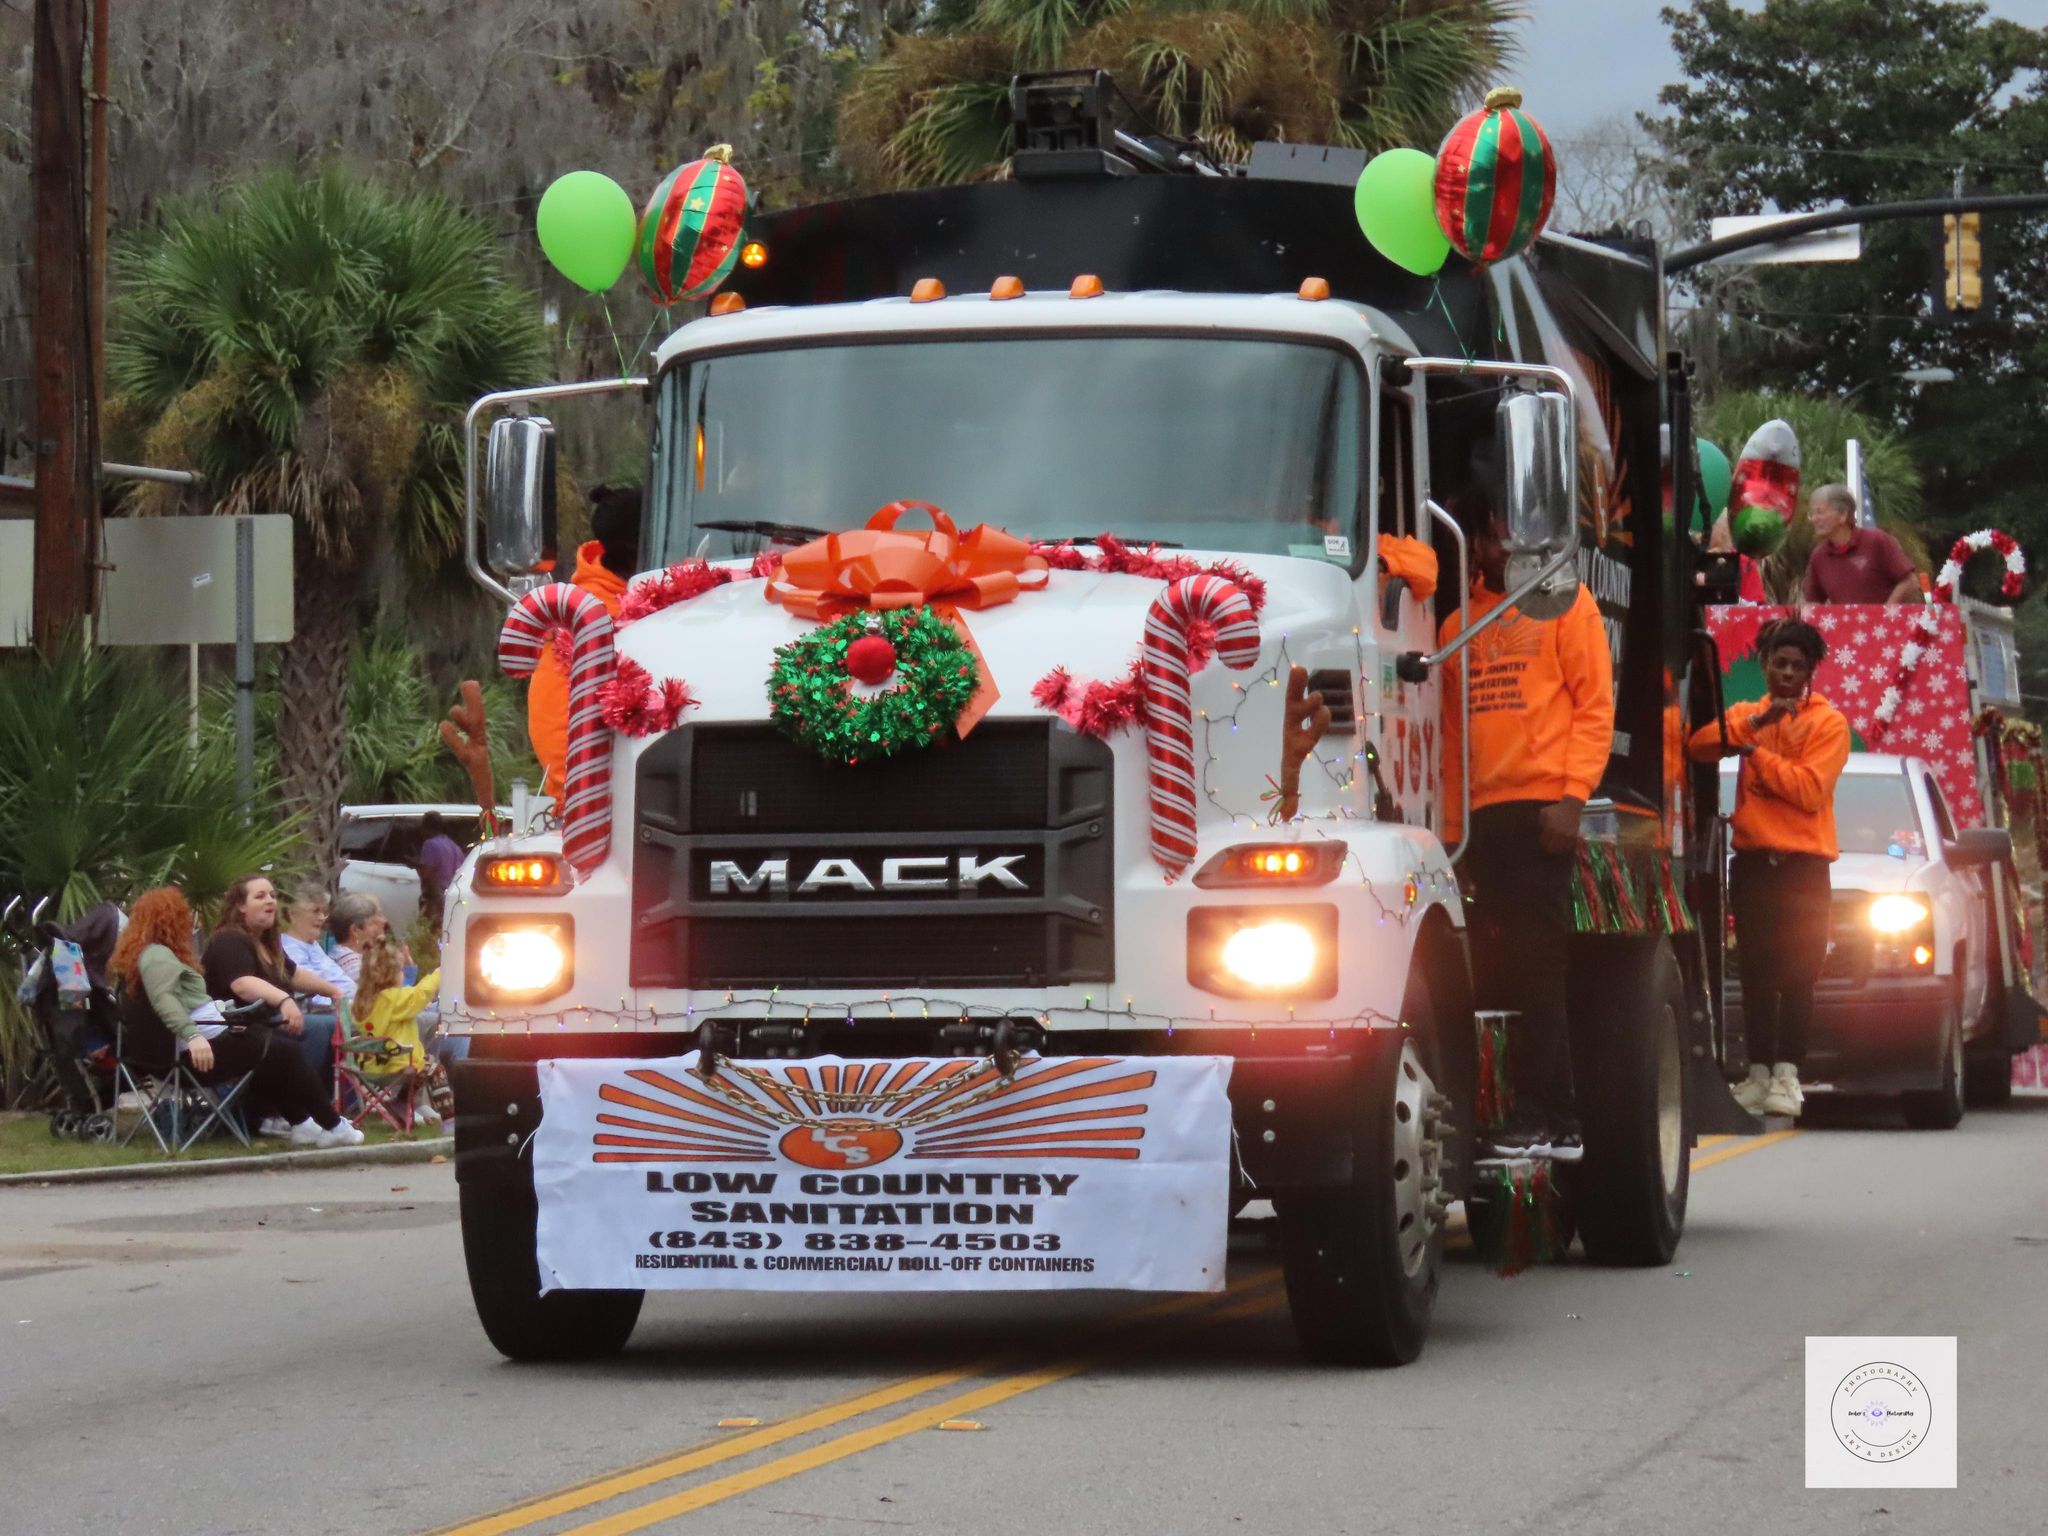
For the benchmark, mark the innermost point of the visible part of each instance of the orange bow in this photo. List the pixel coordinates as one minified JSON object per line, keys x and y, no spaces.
{"x":878,"y":567}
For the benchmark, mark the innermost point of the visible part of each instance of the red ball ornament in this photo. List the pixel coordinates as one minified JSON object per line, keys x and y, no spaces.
{"x":870,"y":659}
{"x":1496,"y":179}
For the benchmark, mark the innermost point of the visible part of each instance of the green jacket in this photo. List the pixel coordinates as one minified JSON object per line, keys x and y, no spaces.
{"x":174,"y":989}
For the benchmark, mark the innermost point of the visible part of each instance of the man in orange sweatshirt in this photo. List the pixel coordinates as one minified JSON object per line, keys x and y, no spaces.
{"x":1542,"y":708}
{"x":1793,"y":745}
{"x":604,"y":564}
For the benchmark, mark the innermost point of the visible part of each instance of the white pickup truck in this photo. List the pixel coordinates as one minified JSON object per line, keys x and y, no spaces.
{"x":1911,"y":1002}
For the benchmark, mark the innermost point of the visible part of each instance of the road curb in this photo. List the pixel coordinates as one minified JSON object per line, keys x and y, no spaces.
{"x":321,"y":1157}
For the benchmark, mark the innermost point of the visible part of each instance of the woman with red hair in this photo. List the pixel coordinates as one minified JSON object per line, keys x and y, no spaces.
{"x":166,"y":1012}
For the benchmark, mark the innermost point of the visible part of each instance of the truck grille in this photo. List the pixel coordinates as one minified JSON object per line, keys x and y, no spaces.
{"x":984,"y":862}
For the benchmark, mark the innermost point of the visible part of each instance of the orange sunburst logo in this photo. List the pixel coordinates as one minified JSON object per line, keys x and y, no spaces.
{"x":1080,"y":1107}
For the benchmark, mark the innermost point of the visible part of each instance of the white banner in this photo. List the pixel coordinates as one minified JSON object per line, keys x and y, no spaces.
{"x":1077,"y":1173}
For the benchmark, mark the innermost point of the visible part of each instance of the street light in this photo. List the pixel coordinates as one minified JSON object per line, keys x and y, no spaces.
{"x":1909,"y":375}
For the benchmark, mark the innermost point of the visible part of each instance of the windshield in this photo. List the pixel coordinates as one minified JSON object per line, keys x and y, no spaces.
{"x":1204,"y":442}
{"x":1873,"y":814}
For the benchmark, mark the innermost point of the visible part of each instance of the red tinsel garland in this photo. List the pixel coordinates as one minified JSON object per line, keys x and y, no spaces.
{"x":635,"y":705}
{"x":678,"y":584}
{"x":1114,"y":556}
{"x":1094,"y":709}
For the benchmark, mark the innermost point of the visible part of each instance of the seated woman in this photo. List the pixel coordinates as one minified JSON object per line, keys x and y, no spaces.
{"x":245,"y":962}
{"x":166,"y":1012}
{"x":390,"y":1010}
{"x":305,"y":917}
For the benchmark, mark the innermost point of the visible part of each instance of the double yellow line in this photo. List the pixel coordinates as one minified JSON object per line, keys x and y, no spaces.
{"x":1251,"y":1296}
{"x":1254,"y":1295}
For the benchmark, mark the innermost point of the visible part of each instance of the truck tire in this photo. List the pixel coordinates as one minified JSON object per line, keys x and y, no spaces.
{"x":1941,"y":1108}
{"x":504,"y":1282}
{"x":1628,"y":1192}
{"x":1363,"y":1261}
{"x":1987,"y":1078}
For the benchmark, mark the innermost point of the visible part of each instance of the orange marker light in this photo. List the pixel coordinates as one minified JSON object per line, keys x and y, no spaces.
{"x":1314,"y":289}
{"x":541,"y":873}
{"x":753,"y":254}
{"x":927,"y":290}
{"x":1007,"y":288}
{"x":1086,"y":286}
{"x":728,"y":304}
{"x":1922,"y":955}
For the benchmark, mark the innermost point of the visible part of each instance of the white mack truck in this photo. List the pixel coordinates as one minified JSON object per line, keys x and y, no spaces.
{"x":1147,"y":368}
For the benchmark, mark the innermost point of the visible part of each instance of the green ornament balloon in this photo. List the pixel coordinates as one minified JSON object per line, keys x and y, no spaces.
{"x":1717,"y":478}
{"x":586,"y":225}
{"x":1396,"y":206}
{"x":1758,"y":531}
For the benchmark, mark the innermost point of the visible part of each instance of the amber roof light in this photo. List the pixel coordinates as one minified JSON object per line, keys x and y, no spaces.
{"x":1313,"y":289}
{"x":1007,"y":288}
{"x":927,"y":290}
{"x":1086,"y":286}
{"x":728,"y":304}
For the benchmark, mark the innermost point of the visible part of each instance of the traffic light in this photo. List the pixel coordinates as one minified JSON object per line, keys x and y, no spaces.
{"x":1962,"y":263}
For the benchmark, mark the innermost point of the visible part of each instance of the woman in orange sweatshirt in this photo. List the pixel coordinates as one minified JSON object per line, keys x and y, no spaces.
{"x":1792,"y":745}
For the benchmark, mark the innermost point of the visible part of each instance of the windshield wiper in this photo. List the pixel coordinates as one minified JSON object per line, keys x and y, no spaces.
{"x":788,"y":533}
{"x":1144,"y":542}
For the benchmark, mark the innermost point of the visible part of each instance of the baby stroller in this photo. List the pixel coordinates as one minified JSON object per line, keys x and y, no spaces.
{"x":64,"y":987}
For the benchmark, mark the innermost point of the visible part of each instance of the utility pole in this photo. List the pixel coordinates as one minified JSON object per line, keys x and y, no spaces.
{"x":67,"y":433}
{"x":101,"y":48}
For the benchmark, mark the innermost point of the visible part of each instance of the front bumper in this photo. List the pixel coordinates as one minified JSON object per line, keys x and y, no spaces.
{"x":1880,"y":1035}
{"x":1292,"y":1114}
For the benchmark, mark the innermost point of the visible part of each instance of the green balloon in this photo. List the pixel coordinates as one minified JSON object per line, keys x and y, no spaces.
{"x":1716,"y":478}
{"x":586,"y":224}
{"x":1396,"y":207}
{"x":1758,"y":531}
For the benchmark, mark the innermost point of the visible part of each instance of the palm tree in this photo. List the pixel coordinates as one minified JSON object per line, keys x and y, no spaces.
{"x":1368,"y":73}
{"x":309,"y":347}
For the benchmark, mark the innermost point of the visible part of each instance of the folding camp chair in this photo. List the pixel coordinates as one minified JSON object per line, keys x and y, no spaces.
{"x":378,"y":1072}
{"x":172,"y":1103}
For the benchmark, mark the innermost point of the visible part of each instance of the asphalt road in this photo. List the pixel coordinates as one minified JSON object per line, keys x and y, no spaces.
{"x":290,"y":1353}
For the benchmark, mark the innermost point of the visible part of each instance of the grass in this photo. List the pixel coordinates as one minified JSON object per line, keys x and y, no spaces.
{"x":26,"y":1146}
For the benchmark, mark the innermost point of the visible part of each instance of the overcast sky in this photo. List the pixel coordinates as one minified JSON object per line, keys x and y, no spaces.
{"x":1586,"y":60}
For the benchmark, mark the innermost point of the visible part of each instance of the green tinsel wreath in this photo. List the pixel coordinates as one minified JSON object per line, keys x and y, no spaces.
{"x":811,"y":697}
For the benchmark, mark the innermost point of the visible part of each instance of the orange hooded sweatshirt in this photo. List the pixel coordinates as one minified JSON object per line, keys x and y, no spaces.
{"x":547,"y":696}
{"x":1542,"y":706}
{"x":1785,"y":789}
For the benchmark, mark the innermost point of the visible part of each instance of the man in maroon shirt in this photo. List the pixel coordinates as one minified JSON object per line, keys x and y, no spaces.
{"x":1851,"y":564}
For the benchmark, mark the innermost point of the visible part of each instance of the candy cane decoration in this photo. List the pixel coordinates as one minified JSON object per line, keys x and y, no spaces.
{"x":1951,"y":573}
{"x":1169,"y":711}
{"x":587,"y":780}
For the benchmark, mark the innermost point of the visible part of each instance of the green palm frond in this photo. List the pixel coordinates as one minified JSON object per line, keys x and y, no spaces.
{"x":297,"y":341}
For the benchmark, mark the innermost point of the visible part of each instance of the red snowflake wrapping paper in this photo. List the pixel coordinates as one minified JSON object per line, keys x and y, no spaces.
{"x":1865,"y":644}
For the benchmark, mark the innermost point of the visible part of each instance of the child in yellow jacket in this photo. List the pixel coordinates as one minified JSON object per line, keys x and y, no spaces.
{"x":390,"y":1010}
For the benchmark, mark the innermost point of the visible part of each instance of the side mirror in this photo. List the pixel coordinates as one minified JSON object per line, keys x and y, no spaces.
{"x":1539,"y":454}
{"x":519,"y":496}
{"x":1977,"y":847}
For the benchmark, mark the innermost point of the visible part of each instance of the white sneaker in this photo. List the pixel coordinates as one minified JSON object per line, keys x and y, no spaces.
{"x":343,"y":1135}
{"x":306,"y":1133}
{"x":275,"y":1126}
{"x":1784,"y":1096}
{"x":1750,"y":1094}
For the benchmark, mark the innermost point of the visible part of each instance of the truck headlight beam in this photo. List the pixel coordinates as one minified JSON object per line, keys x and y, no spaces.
{"x":1896,"y":914}
{"x":520,"y":959}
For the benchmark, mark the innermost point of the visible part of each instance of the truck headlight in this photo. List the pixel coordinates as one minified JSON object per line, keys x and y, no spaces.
{"x":1282,"y":952}
{"x":1896,"y":914}
{"x":1272,"y":957}
{"x":520,"y":960}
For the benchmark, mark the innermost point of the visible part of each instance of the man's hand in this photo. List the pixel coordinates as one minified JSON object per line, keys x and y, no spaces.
{"x":1737,"y":749}
{"x":200,"y":1053}
{"x":1779,"y":709}
{"x":1557,"y":825}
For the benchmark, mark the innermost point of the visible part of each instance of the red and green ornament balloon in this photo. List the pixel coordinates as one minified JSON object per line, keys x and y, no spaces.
{"x":689,"y":237}
{"x":1495,"y":180}
{"x":1765,"y":497}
